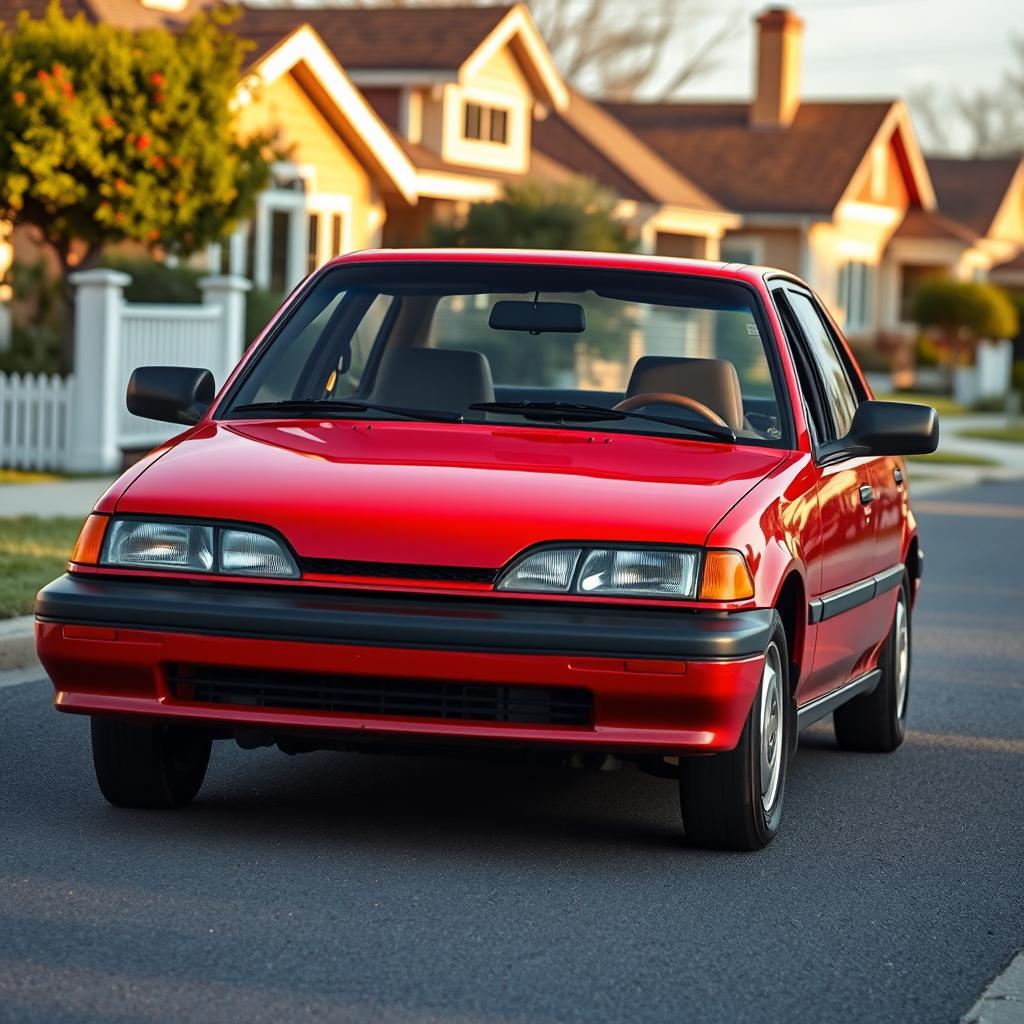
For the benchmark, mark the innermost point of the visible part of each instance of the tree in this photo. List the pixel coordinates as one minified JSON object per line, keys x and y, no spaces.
{"x":614,"y":49}
{"x":542,"y":215}
{"x":964,"y":312}
{"x":109,"y":136}
{"x":993,"y":120}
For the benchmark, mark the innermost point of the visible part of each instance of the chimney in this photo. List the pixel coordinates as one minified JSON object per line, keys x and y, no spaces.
{"x":779,"y":43}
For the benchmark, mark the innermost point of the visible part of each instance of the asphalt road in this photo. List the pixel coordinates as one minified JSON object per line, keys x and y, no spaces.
{"x":345,"y":888}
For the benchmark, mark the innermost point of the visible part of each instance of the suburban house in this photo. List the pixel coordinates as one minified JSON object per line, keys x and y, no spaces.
{"x":978,"y":224}
{"x":471,"y":100}
{"x":822,"y":186}
{"x":394,"y":118}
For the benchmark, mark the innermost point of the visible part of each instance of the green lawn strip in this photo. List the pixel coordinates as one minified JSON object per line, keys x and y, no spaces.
{"x":21,"y":476}
{"x":953,"y":459}
{"x":33,"y":551}
{"x":940,"y":403}
{"x":1010,"y":435}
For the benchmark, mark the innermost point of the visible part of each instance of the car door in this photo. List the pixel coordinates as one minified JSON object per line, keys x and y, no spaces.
{"x":843,"y":612}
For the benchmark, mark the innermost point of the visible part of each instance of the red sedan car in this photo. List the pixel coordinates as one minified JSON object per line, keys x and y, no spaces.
{"x":603,"y":508}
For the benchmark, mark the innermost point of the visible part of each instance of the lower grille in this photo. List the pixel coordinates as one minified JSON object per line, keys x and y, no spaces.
{"x":471,"y":702}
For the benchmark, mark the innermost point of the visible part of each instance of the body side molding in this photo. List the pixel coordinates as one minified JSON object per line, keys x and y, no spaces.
{"x":827,"y":703}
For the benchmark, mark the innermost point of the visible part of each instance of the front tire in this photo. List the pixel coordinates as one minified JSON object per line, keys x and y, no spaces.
{"x":877,"y":722}
{"x":142,"y":764}
{"x":733,"y":800}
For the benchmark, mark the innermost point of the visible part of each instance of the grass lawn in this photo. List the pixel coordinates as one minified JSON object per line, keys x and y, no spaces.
{"x":20,"y":476}
{"x":952,"y":459}
{"x":1010,"y":434}
{"x":32,"y":552}
{"x":940,"y":403}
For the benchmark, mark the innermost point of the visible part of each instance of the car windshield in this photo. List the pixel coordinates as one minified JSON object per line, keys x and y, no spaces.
{"x":525,"y":346}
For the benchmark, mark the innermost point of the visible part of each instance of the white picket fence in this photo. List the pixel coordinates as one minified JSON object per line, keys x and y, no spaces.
{"x":80,"y":423}
{"x":166,"y":336}
{"x":34,"y":420}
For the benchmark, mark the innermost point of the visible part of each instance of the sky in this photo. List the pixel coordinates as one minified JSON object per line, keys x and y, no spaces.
{"x":874,"y":47}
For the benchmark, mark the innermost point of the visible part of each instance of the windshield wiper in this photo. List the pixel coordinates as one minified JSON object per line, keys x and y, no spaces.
{"x":326,"y":407}
{"x":583,"y":413}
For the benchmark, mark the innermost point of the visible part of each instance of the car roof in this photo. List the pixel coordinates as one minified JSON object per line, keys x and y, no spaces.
{"x":568,"y":258}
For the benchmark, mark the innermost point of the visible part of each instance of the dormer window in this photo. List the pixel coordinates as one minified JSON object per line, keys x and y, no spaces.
{"x":486,"y":124}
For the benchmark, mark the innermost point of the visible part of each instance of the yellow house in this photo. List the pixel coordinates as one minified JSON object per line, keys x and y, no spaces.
{"x":396,"y":117}
{"x":474,"y":100}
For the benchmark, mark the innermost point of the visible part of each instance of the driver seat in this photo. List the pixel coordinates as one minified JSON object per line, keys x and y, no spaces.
{"x":714,"y":382}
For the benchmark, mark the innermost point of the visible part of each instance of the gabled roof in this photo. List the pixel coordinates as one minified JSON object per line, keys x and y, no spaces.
{"x":930,"y":225}
{"x":972,"y":190}
{"x":437,"y":41}
{"x":302,"y":53}
{"x":427,"y":38}
{"x":804,"y":168}
{"x":589,"y":140}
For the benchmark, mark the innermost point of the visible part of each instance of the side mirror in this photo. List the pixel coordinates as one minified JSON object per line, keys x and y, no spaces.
{"x":893,"y":428}
{"x":174,"y":394}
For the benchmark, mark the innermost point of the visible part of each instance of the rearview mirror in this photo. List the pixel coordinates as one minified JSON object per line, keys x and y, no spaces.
{"x":173,"y":394}
{"x":893,"y":428}
{"x":538,"y":317}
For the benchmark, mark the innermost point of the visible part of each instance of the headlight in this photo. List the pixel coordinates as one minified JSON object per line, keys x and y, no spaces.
{"x":196,"y":547}
{"x":632,"y":572}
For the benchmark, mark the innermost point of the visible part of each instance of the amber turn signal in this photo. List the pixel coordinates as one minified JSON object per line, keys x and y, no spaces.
{"x":726,"y":577}
{"x":90,"y":541}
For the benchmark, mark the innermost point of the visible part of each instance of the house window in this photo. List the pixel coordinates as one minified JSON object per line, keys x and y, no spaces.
{"x":313,"y":243}
{"x":474,"y":121}
{"x":280,"y":221}
{"x":337,"y":234}
{"x":486,"y":124}
{"x":740,"y":250}
{"x":499,"y":125}
{"x":855,"y":287}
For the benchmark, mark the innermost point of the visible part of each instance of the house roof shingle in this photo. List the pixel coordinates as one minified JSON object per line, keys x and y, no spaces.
{"x":930,"y":225}
{"x":802,"y":168}
{"x":972,"y":190}
{"x":411,"y":38}
{"x":593,"y":142}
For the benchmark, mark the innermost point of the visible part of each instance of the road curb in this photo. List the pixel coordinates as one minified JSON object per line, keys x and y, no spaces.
{"x":17,"y":644}
{"x":1003,"y":1001}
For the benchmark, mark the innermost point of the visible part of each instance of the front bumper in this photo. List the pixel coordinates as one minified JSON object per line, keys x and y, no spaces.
{"x":657,"y":679}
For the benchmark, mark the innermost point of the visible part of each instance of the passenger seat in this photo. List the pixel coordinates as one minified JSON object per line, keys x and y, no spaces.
{"x":433,"y":378}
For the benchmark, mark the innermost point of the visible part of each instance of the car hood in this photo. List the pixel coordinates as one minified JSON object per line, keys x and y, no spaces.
{"x":446,"y":495}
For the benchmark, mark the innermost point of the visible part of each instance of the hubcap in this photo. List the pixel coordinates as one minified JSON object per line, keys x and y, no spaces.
{"x":771,"y":702}
{"x":902,"y":640}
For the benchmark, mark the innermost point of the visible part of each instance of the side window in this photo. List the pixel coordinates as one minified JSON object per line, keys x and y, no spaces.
{"x":811,"y":390}
{"x":842,"y":400}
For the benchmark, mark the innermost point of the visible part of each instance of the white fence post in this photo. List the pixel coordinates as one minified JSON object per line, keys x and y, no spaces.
{"x":228,"y":292}
{"x":97,"y":393}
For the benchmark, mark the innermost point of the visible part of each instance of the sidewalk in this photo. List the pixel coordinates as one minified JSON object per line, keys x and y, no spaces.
{"x":60,"y":498}
{"x":1009,"y":456}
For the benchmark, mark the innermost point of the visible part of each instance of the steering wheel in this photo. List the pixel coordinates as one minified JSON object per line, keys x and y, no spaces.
{"x":668,"y":398}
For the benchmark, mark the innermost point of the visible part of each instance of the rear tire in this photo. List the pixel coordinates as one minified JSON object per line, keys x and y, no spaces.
{"x":141,"y":764}
{"x":876,"y":722}
{"x":733,"y":800}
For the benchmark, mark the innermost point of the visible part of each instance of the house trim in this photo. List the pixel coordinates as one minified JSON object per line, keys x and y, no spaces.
{"x":304,"y":46}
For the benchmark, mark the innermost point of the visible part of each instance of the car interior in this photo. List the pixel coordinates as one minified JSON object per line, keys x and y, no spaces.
{"x":388,"y":349}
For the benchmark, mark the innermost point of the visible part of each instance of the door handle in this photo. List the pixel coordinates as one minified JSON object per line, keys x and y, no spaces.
{"x":867,"y":494}
{"x":897,"y":475}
